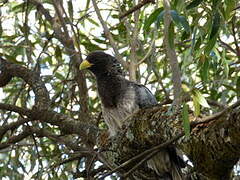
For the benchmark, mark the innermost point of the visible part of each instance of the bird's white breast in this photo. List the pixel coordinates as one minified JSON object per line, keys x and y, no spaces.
{"x":116,"y":116}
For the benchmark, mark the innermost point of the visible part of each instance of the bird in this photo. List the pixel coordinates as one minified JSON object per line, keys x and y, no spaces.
{"x":120,"y":98}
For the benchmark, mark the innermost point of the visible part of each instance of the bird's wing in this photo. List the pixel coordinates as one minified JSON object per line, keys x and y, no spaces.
{"x":144,"y":97}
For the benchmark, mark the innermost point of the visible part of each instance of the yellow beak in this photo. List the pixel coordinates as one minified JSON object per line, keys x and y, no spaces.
{"x":85,"y":64}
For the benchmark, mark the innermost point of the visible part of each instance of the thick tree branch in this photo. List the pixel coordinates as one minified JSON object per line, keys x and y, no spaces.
{"x":12,"y":126}
{"x":15,"y":139}
{"x":213,"y":142}
{"x":67,"y":125}
{"x":32,"y":78}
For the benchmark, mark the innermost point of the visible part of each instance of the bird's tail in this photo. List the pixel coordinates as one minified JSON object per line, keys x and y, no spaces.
{"x":167,"y":164}
{"x":176,"y":173}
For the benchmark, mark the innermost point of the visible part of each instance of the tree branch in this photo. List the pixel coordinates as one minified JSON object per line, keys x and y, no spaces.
{"x":172,"y":57}
{"x":109,"y":36}
{"x":137,"y":7}
{"x":32,"y":78}
{"x":202,"y":147}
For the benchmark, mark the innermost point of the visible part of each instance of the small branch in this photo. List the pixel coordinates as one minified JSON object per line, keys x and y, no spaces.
{"x":227,"y":46}
{"x":12,"y":126}
{"x":148,"y":52}
{"x":137,"y":7}
{"x":172,"y":57}
{"x":235,"y":38}
{"x":215,"y":103}
{"x":14,"y":139}
{"x":94,"y":172}
{"x":9,"y":107}
{"x":215,"y":116}
{"x":238,"y":7}
{"x":109,"y":36}
{"x":32,"y":78}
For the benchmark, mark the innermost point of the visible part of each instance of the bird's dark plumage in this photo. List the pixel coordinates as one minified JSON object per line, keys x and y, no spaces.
{"x":120,"y":98}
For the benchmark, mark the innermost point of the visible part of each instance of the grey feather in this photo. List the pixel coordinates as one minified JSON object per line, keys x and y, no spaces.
{"x":121,"y":98}
{"x":144,"y":96}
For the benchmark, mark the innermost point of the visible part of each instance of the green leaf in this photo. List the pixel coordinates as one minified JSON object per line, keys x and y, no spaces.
{"x":215,"y":24}
{"x":59,"y":76}
{"x":210,"y":45}
{"x":193,"y":4}
{"x":151,"y":19}
{"x":180,"y":21}
{"x":87,"y":4}
{"x":48,"y":60}
{"x":91,"y":47}
{"x":204,"y":71}
{"x":185,"y":24}
{"x":160,"y":18}
{"x":230,"y":5}
{"x":58,"y":52}
{"x":200,"y":98}
{"x":175,"y":16}
{"x":196,"y":106}
{"x":92,"y":21}
{"x":186,"y":122}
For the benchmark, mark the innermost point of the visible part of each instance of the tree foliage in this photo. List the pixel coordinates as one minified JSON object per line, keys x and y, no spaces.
{"x":43,"y":42}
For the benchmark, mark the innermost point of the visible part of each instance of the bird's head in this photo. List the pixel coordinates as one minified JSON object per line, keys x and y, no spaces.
{"x":99,"y":62}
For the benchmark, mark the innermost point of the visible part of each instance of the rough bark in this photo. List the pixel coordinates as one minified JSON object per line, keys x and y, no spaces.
{"x":213,"y":147}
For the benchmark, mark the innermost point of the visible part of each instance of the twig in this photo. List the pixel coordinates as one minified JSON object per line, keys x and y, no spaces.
{"x":37,"y":151}
{"x":172,"y":57}
{"x":12,"y":126}
{"x":215,"y":116}
{"x":15,"y":139}
{"x":148,"y":52}
{"x":137,"y":7}
{"x":238,"y":7}
{"x":109,"y":36}
{"x":235,"y":38}
{"x":227,"y":46}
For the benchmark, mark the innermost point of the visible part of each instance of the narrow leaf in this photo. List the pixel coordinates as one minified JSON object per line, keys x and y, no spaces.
{"x":210,"y":45}
{"x":231,"y":4}
{"x":204,"y":71}
{"x":185,"y":24}
{"x":151,"y":19}
{"x":194,"y":4}
{"x":160,"y":18}
{"x":215,"y":24}
{"x":186,"y":122}
{"x":201,"y":99}
{"x":225,"y":63}
{"x":196,"y":106}
{"x":180,"y":21}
